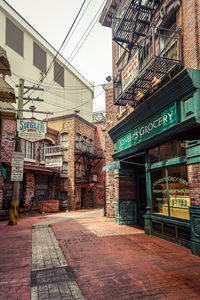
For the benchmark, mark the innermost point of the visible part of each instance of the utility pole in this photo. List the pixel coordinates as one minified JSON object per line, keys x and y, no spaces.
{"x":14,"y":205}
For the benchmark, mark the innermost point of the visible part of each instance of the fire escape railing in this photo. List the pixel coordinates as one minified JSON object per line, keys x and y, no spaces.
{"x":157,"y":57}
{"x":131,"y":20}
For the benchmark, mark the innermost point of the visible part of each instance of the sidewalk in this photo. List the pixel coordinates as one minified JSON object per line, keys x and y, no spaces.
{"x":101,"y":260}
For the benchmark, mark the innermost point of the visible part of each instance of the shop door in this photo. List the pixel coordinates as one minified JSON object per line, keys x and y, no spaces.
{"x":92,"y":199}
{"x":141,"y":200}
{"x":83,"y":200}
{"x":41,"y":188}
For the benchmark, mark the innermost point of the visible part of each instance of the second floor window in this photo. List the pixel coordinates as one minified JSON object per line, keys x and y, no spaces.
{"x":59,"y":74}
{"x":39,"y":58}
{"x":84,"y":147}
{"x":27,"y":149}
{"x":64,"y":140}
{"x":78,"y":169}
{"x":65,"y":167}
{"x":44,"y":149}
{"x":14,"y":37}
{"x":91,"y":146}
{"x":78,"y":141}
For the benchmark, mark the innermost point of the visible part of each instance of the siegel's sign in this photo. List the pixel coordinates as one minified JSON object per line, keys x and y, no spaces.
{"x":31,"y":130}
{"x":148,"y":129}
{"x":130,"y":71}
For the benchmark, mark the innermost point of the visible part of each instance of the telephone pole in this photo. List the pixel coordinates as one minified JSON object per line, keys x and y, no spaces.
{"x":14,"y":205}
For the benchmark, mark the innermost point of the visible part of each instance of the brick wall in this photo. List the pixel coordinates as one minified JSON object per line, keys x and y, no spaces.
{"x":194,"y":183}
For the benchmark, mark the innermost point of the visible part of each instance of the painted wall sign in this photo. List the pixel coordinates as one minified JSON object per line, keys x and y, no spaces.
{"x":53,"y":162}
{"x":130,"y":72}
{"x":148,"y":129}
{"x":31,"y":130}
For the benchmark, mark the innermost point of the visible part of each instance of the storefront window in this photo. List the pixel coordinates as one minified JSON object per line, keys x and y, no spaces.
{"x":179,"y":200}
{"x":159,"y":192}
{"x":170,"y":192}
{"x":167,"y":151}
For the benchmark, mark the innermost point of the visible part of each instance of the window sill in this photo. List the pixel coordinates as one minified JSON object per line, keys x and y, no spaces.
{"x":30,"y":160}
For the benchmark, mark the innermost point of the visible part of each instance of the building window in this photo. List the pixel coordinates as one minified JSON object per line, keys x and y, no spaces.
{"x":167,"y":151}
{"x":44,"y":149}
{"x":170,"y":192}
{"x":65,"y":168}
{"x":64,"y":140}
{"x":14,"y":37}
{"x":27,"y":149}
{"x":78,"y":141}
{"x":39,"y":58}
{"x":59,"y":74}
{"x":91,"y":146}
{"x":122,"y":109}
{"x":84,"y":143}
{"x":78,"y":169}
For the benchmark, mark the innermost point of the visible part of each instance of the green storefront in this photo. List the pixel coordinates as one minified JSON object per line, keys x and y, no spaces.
{"x":158,"y":147}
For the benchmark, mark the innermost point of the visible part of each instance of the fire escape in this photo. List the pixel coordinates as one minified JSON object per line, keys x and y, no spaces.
{"x":90,"y":157}
{"x":154,"y":53}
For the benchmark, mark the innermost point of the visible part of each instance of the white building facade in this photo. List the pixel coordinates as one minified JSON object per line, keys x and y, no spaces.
{"x":30,"y":57}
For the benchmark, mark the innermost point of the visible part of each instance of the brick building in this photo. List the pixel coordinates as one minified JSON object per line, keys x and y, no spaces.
{"x":39,"y":181}
{"x":82,"y":180}
{"x":153,"y":123}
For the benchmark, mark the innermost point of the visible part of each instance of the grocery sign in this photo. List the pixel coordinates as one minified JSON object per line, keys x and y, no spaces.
{"x":31,"y":130}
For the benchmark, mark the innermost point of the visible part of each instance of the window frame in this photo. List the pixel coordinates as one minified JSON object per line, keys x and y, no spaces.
{"x":64,"y":142}
{"x":15,"y":40}
{"x":78,"y":141}
{"x":78,"y":170}
{"x":25,"y":149}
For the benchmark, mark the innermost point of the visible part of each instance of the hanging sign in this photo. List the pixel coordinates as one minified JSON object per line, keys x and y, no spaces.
{"x":31,"y":130}
{"x":17,"y":159}
{"x":53,"y":162}
{"x":130,"y":71}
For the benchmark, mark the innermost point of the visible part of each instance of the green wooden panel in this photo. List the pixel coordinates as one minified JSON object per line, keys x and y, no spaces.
{"x":156,"y":125}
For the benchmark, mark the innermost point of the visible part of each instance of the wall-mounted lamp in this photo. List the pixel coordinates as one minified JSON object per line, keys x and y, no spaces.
{"x":139,"y":96}
{"x":155,"y":81}
{"x":109,"y":78}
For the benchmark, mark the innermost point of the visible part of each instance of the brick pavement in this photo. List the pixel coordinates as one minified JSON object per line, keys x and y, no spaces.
{"x":107,"y":261}
{"x":120,"y":262}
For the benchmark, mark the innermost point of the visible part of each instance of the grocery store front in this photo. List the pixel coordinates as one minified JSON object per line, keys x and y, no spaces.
{"x":158,"y":148}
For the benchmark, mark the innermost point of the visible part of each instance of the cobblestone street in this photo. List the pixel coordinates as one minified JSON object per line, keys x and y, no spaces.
{"x":83,"y":255}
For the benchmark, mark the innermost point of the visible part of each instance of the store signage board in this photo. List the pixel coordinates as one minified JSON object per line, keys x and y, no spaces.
{"x":16,"y":174}
{"x":53,"y":162}
{"x":17,"y":159}
{"x":130,"y":72}
{"x":156,"y":125}
{"x":31,"y":130}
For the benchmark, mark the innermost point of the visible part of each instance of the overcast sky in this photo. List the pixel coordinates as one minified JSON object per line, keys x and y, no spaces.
{"x":53,"y":19}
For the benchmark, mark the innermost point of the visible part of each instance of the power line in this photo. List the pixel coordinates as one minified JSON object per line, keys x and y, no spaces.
{"x":58,"y":51}
{"x":97,"y":14}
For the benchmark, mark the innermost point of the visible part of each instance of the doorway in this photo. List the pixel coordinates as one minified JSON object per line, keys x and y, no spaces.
{"x":141,"y":199}
{"x":83,"y":198}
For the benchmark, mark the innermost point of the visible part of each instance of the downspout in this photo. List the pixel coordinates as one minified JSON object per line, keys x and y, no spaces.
{"x":196,"y":9}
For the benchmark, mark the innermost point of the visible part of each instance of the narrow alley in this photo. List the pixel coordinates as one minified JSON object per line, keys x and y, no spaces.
{"x":83,"y":255}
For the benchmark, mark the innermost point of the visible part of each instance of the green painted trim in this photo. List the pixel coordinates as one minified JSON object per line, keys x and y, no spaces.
{"x":158,"y":139}
{"x":179,"y":87}
{"x":170,"y":162}
{"x":170,"y":220}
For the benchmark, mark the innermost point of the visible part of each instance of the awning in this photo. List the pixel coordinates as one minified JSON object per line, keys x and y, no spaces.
{"x":7,"y":93}
{"x":7,"y":111}
{"x":4,"y":63}
{"x":111,"y":167}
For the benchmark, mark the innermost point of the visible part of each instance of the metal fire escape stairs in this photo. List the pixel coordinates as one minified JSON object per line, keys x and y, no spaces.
{"x":131,"y":30}
{"x":90,"y":160}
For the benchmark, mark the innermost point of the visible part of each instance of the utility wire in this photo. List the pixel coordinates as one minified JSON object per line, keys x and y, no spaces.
{"x":59,"y":73}
{"x":58,"y":51}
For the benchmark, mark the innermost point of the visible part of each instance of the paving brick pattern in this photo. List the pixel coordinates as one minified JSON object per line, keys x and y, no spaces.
{"x":51,"y":277}
{"x":116,"y":262}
